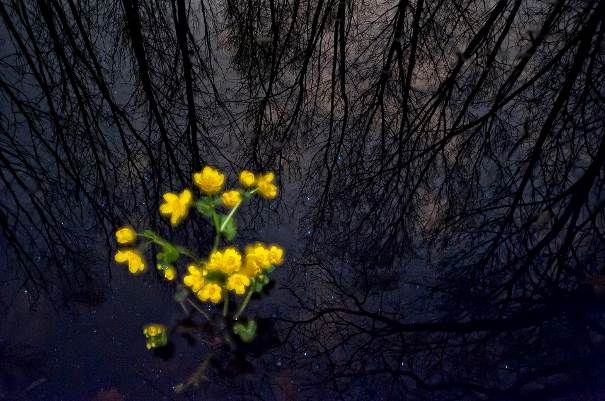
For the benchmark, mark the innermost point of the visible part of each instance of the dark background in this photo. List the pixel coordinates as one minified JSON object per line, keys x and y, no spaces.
{"x":441,"y":171}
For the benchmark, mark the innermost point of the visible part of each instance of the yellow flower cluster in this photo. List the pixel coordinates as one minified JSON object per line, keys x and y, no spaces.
{"x":156,"y":335}
{"x":133,"y":258}
{"x":153,"y":329}
{"x":266,"y":188}
{"x":260,"y":257}
{"x":228,"y":261}
{"x":264,"y":183}
{"x":210,"y":181}
{"x":176,"y":206}
{"x":227,"y":265}
{"x":227,"y":269}
{"x":204,"y":289}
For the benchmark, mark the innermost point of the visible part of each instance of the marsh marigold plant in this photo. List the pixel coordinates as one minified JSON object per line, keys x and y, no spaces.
{"x":226,"y":274}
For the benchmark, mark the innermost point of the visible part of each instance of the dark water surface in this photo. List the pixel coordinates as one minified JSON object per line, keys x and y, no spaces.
{"x":442,"y":194}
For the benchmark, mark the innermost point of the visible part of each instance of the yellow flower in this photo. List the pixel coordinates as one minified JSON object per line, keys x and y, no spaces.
{"x":257,"y":258}
{"x":133,"y":258}
{"x":261,"y":254}
{"x":276,"y":255}
{"x":153,"y":329}
{"x":215,"y":261}
{"x":247,"y":179}
{"x":195,"y":278}
{"x":170,"y":273}
{"x":210,"y":180}
{"x":231,"y":260}
{"x":250,"y":268}
{"x":125,"y":235}
{"x":231,"y":198}
{"x":266,"y":187}
{"x":211,"y":292}
{"x":238,"y":283}
{"x":176,"y":205}
{"x":228,"y":261}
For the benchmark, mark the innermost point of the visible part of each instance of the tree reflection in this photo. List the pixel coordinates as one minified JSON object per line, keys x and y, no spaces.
{"x":453,"y":152}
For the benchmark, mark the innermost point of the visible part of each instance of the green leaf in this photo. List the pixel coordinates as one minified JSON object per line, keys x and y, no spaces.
{"x":169,"y":254}
{"x":230,"y":228}
{"x":259,"y":282}
{"x":205,"y":206}
{"x":246,"y":332}
{"x":257,"y":286}
{"x":263,"y":278}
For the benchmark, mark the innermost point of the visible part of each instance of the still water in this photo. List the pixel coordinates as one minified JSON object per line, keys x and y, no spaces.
{"x":440,"y":170}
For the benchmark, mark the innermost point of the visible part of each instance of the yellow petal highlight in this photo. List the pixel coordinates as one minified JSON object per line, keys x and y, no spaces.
{"x":176,"y":206}
{"x":170,"y":273}
{"x":276,"y":255}
{"x":209,"y":180}
{"x":211,"y":292}
{"x":231,"y":198}
{"x":247,"y":179}
{"x":238,"y":283}
{"x":194,"y":278}
{"x":265,"y":186}
{"x":133,"y":258}
{"x":126,"y":235}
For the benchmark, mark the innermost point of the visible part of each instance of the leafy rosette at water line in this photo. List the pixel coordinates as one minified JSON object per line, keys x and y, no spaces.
{"x":226,"y":275}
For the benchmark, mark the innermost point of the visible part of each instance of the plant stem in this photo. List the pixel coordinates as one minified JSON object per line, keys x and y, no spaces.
{"x":156,"y":239}
{"x":184,"y":308}
{"x":226,"y":304}
{"x":187,"y":253}
{"x":244,"y":304}
{"x":232,"y":212}
{"x":217,"y":234}
{"x":197,"y":308}
{"x":230,"y":215}
{"x":217,"y":239}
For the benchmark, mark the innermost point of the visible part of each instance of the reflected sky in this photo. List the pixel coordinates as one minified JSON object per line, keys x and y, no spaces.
{"x":441,"y":167}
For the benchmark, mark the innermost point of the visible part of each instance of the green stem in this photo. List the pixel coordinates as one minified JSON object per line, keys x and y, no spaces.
{"x":229,"y":216}
{"x":217,"y":235}
{"x":187,"y":253}
{"x":156,"y":239}
{"x":145,"y":244}
{"x":245,"y":303}
{"x":232,"y":212}
{"x":150,"y":235}
{"x":184,"y":307}
{"x":197,"y":308}
{"x":226,"y":304}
